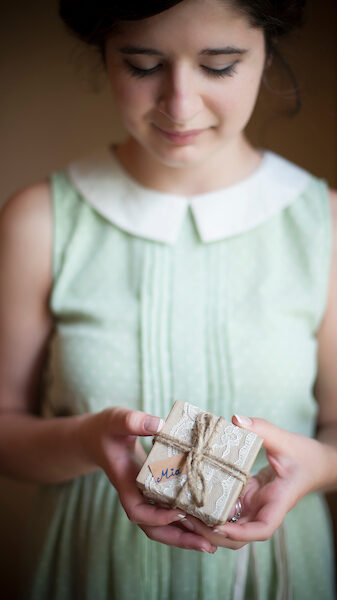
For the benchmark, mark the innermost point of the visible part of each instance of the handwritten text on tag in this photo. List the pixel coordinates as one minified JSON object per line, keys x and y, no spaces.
{"x":168,"y":468}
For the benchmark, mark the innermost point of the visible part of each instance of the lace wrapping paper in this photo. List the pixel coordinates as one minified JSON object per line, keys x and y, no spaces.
{"x":234,"y":445}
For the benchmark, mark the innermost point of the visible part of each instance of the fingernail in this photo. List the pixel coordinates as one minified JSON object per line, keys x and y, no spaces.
{"x":208,"y":551}
{"x":188,"y":525}
{"x":153,"y":424}
{"x":220,"y":532}
{"x":181,"y":516}
{"x":214,"y":549}
{"x":244,"y":421}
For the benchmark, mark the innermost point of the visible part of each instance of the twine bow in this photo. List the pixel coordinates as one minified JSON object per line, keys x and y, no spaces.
{"x":198,"y":451}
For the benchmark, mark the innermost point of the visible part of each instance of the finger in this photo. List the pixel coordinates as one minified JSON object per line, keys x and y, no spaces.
{"x":224,"y":542}
{"x":232,"y":511}
{"x":256,"y":531}
{"x":123,"y":421}
{"x":275,"y":439}
{"x":175,"y":536}
{"x":198,"y":527}
{"x":140,"y":451}
{"x":261,"y":529}
{"x":141,"y":512}
{"x":136,"y":506}
{"x":137,"y":453}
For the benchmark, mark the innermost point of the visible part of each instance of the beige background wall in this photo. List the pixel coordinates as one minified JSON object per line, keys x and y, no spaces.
{"x":50,"y":114}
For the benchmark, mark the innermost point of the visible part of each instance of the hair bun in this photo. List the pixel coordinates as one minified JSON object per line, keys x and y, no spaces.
{"x":89,"y":20}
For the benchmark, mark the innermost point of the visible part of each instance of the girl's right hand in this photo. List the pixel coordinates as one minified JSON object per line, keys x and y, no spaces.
{"x":109,"y":440}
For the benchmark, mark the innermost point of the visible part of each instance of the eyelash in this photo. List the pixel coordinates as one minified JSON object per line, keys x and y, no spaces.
{"x":217,"y":73}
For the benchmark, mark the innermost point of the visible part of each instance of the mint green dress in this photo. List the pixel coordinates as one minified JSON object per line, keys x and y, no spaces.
{"x":215,"y":300}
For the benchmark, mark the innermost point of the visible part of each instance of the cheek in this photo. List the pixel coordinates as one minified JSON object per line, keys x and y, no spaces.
{"x":230,"y":106}
{"x":235,"y":104}
{"x":241,"y":101}
{"x":131,"y":97}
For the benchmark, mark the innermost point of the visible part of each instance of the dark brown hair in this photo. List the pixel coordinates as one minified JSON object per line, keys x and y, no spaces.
{"x":93,"y":20}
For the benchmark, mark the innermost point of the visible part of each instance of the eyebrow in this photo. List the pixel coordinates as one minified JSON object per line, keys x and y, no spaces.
{"x":139,"y":50}
{"x":205,"y":52}
{"x":226,"y":50}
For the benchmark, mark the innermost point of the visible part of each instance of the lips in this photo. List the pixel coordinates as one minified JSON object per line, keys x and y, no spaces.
{"x":180,"y":137}
{"x":180,"y":133}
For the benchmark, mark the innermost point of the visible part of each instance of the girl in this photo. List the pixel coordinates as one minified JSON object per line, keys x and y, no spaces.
{"x":184,"y":263}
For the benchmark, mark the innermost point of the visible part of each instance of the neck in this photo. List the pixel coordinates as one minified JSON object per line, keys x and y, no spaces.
{"x":223,"y":168}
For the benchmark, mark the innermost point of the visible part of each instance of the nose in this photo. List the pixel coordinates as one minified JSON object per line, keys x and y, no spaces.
{"x":180,"y":99}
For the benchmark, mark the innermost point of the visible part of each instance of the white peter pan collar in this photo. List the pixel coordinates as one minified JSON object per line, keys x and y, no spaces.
{"x":106,"y":185}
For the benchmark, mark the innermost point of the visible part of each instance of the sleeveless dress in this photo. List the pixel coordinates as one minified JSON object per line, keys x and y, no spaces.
{"x":215,"y":300}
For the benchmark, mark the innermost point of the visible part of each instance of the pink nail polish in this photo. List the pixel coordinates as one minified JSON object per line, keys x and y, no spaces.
{"x":220,"y":532}
{"x":188,"y":524}
{"x":153,"y":424}
{"x":243,"y":421}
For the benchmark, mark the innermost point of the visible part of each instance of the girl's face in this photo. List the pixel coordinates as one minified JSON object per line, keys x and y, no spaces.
{"x":185,"y":81}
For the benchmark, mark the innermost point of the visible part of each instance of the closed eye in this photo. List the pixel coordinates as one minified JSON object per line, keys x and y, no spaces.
{"x":139,"y":72}
{"x":226,"y":71}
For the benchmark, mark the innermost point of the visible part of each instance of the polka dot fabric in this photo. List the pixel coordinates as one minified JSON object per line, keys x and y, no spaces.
{"x":229,"y":326}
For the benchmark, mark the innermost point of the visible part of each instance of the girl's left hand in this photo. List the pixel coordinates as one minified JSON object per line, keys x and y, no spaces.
{"x":297,"y":466}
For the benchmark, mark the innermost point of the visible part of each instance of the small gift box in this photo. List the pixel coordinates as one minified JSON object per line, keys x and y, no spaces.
{"x":199,"y":463}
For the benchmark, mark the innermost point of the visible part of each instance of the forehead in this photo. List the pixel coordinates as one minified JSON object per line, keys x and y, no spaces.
{"x":192,"y":24}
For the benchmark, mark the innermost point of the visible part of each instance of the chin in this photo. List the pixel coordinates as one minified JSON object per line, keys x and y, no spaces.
{"x":179,"y":156}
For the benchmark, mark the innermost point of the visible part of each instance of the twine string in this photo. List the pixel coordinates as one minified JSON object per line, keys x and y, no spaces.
{"x":198,"y":452}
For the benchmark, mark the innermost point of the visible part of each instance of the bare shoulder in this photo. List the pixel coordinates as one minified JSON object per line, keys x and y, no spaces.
{"x":26,"y":228}
{"x":333,"y":205}
{"x":328,"y":329}
{"x":333,"y":195}
{"x":25,"y":285}
{"x":333,"y":210}
{"x":332,"y":296}
{"x":326,"y":384}
{"x":27,"y":208}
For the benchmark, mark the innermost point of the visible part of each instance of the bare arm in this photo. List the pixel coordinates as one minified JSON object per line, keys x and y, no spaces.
{"x":27,"y":442}
{"x":326,"y":385}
